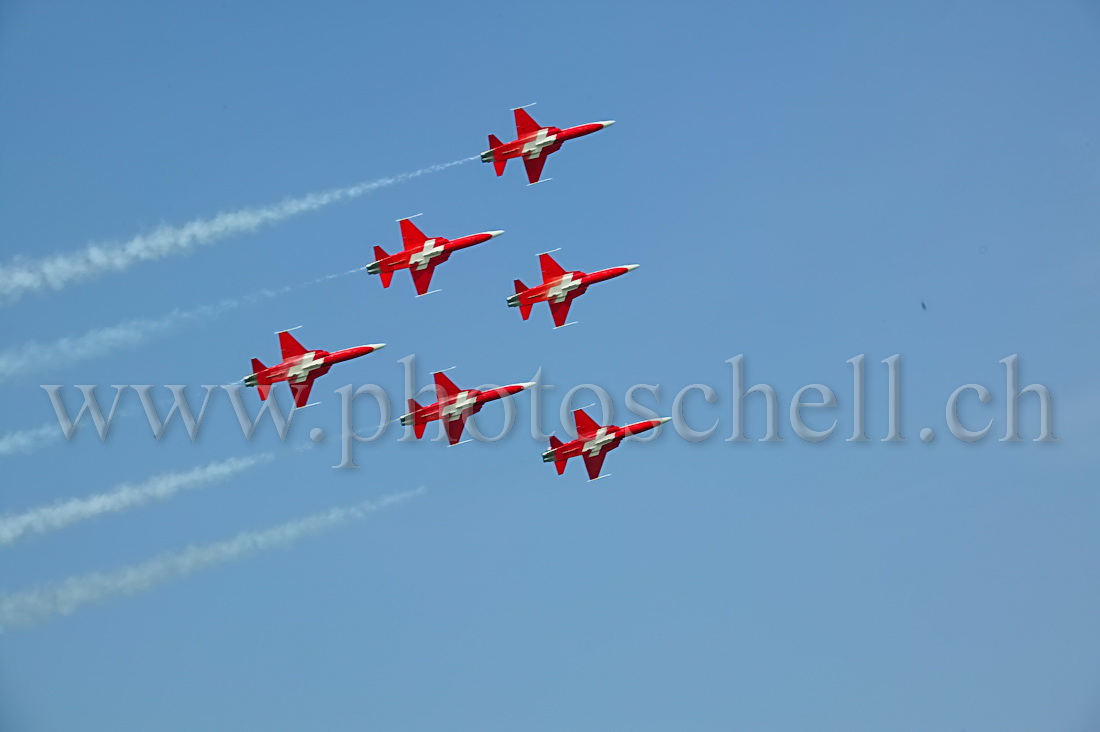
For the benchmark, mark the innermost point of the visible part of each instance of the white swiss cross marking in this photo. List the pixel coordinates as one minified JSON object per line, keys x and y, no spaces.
{"x":533,"y":148}
{"x":565,"y":285}
{"x":306,"y":363}
{"x":431,"y":249}
{"x":463,"y":401}
{"x":596,"y":444}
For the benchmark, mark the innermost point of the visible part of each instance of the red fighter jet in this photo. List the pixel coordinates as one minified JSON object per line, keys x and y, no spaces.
{"x":454,"y":406}
{"x":533,"y":143}
{"x":300,"y":367}
{"x":558,"y":288}
{"x":593,"y":442}
{"x":421,"y":255}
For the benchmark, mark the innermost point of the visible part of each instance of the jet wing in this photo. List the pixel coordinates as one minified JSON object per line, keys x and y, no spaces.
{"x":444,"y":387}
{"x":412,"y":237}
{"x":534,"y":167}
{"x":560,"y":311}
{"x":551,"y":270}
{"x":301,"y":392}
{"x":422,"y":278}
{"x":594,"y":464}
{"x":525,"y":125}
{"x":291,"y":347}
{"x":585,"y":425}
{"x":455,"y":427}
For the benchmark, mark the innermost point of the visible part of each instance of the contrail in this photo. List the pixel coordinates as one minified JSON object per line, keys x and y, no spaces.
{"x":20,"y":441}
{"x":31,"y":606}
{"x":48,"y":518}
{"x":32,"y":356}
{"x":56,"y":272}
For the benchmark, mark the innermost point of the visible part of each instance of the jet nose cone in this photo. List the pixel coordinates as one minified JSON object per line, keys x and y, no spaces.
{"x":376,"y":346}
{"x":494,"y":234}
{"x":606,"y":123}
{"x":630,"y":267}
{"x":527,"y":384}
{"x":662,"y":420}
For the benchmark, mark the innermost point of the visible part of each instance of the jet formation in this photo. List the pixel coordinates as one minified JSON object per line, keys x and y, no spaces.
{"x":420,"y":255}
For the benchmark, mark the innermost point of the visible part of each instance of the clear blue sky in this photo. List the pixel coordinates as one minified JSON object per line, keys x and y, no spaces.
{"x":794,"y":179}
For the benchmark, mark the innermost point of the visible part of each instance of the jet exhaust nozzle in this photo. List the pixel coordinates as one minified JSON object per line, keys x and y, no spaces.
{"x":513,"y":301}
{"x":548,"y":456}
{"x":488,"y":157}
{"x":250,"y":380}
{"x":374,"y":268}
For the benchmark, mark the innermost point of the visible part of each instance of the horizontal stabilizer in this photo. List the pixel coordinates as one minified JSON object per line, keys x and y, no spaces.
{"x":263,"y":389}
{"x":257,"y":366}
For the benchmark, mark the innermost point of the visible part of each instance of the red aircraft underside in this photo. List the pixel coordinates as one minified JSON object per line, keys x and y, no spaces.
{"x":421,"y":255}
{"x":533,"y":143}
{"x":593,"y":442}
{"x":454,"y":406}
{"x":559,"y":288}
{"x":300,"y":368}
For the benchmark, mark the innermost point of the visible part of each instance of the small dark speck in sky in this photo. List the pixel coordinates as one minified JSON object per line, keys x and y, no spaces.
{"x":923,"y":306}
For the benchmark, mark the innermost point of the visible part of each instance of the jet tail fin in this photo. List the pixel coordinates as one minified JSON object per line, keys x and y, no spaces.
{"x":262,"y":387}
{"x":498,"y":164}
{"x":524,"y":310}
{"x":418,"y":427}
{"x":555,"y":443}
{"x":386,"y":277}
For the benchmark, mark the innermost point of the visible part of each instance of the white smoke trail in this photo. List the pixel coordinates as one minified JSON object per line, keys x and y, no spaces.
{"x":49,"y":518}
{"x":22,"y":275}
{"x":32,"y":356}
{"x":31,"y":606}
{"x":21,"y":441}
